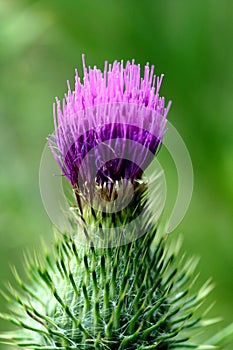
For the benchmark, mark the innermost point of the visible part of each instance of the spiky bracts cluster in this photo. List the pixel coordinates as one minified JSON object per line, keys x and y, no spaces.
{"x":136,"y":296}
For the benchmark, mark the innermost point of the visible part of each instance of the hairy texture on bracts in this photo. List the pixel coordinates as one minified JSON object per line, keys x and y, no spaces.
{"x":137,"y":296}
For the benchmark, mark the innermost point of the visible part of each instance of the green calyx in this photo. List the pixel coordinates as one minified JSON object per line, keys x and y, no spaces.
{"x":110,"y":295}
{"x":136,"y":296}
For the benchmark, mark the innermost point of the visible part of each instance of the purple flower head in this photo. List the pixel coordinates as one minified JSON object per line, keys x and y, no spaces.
{"x":110,"y":127}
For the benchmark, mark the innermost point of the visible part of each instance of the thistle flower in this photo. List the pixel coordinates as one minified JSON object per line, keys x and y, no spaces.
{"x":109,"y":128}
{"x":133,"y":296}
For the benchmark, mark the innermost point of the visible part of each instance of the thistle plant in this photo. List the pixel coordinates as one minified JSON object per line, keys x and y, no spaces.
{"x":115,"y":280}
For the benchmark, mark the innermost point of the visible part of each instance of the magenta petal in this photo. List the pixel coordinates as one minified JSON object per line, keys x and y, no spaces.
{"x":107,"y":109}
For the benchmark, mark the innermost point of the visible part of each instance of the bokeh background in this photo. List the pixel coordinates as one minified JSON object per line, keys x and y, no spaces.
{"x":41,"y":43}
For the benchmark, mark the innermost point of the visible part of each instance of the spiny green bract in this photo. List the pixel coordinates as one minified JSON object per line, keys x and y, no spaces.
{"x":135,"y":296}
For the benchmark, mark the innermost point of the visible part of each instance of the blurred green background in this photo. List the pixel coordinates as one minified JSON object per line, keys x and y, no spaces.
{"x":190,"y":41}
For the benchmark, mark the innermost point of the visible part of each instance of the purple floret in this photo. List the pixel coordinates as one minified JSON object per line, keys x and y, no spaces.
{"x":111,"y":126}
